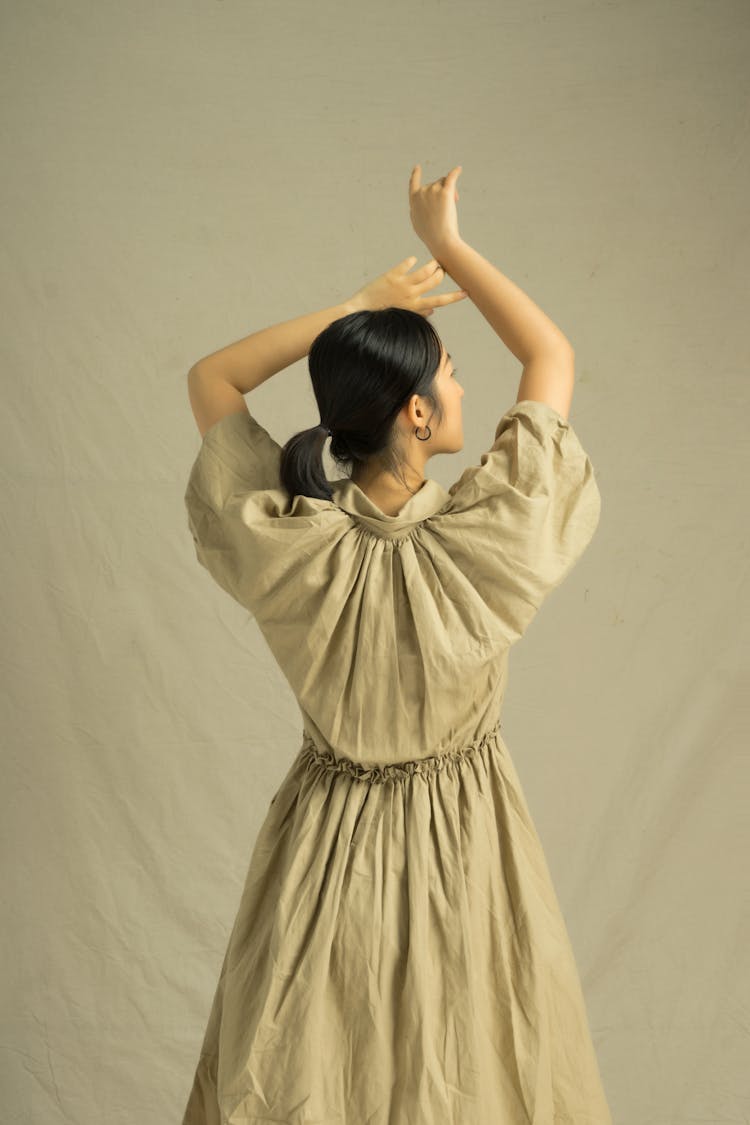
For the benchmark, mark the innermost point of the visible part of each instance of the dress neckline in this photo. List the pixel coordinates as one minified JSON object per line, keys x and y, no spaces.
{"x":427,"y":501}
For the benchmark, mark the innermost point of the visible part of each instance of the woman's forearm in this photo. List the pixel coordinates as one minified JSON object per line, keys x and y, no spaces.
{"x":520,"y":324}
{"x":250,"y":361}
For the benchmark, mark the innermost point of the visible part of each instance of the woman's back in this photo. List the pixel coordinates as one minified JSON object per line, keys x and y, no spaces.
{"x":393,"y":630}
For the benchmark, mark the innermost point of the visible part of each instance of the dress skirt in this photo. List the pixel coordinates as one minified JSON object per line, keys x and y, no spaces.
{"x":399,"y":957}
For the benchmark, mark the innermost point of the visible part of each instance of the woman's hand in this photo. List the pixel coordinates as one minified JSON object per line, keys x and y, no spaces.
{"x":433,"y":208}
{"x":404,"y":290}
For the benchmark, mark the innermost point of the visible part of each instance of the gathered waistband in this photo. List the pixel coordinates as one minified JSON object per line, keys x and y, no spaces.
{"x":394,"y":771}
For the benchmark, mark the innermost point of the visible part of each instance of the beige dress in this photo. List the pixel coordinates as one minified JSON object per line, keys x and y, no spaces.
{"x":399,"y":956}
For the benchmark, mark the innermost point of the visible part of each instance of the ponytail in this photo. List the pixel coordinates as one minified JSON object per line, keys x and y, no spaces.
{"x":302,"y":470}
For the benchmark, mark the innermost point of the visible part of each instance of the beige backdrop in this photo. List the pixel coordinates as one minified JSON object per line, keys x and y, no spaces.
{"x":178,"y":175}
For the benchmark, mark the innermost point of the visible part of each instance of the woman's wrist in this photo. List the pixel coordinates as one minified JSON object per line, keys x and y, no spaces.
{"x":444,"y":250}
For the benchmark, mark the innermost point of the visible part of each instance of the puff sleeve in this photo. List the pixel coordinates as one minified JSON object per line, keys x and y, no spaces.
{"x":517,"y":523}
{"x":237,"y":456}
{"x":269,"y":552}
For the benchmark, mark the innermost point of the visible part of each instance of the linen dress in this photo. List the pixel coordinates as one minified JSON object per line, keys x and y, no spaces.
{"x":399,"y":956}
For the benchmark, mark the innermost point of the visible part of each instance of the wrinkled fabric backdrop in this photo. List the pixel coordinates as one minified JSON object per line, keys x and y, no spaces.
{"x":177,"y":177}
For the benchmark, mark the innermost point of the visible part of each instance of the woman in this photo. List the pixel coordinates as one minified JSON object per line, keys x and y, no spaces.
{"x":399,"y":956}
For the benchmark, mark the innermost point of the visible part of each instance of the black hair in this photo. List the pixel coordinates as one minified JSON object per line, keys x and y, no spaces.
{"x":364,"y":367}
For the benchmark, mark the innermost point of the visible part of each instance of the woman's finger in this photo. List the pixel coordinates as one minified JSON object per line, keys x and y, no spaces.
{"x":429,"y":306}
{"x":429,"y":269}
{"x":429,"y":277}
{"x":449,"y":298}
